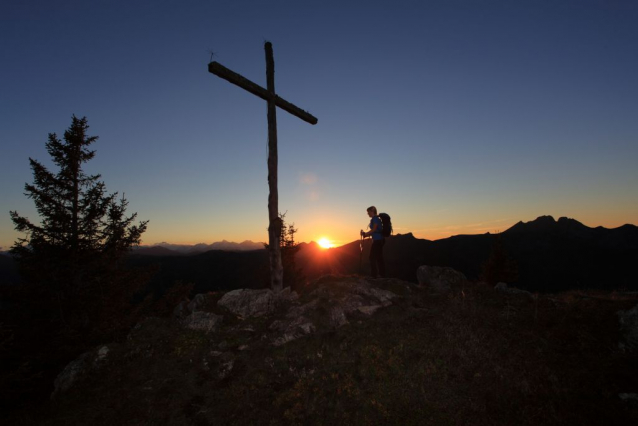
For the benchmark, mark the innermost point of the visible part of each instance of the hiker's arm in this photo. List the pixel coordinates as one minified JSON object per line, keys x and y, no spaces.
{"x":374,"y":228}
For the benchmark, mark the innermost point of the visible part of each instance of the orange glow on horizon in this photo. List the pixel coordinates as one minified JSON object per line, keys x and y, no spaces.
{"x":325,"y":243}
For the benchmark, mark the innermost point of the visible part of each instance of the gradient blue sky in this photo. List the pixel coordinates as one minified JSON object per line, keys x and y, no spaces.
{"x":452,"y":116}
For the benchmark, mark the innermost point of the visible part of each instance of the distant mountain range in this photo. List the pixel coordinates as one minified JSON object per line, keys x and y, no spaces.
{"x":551,"y":255}
{"x":167,"y":249}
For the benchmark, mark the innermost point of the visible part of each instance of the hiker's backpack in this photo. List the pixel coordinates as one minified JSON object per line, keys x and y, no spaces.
{"x":387,"y":224}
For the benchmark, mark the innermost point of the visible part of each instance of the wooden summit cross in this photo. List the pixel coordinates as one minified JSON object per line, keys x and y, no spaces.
{"x":274,"y":101}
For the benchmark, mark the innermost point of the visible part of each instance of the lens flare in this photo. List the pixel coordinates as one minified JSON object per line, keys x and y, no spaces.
{"x":324,"y":243}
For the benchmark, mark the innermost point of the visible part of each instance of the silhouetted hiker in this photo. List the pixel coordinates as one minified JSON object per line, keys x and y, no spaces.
{"x":377,"y":266}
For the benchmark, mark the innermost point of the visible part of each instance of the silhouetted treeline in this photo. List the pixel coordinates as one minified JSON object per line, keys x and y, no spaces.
{"x":210,"y":271}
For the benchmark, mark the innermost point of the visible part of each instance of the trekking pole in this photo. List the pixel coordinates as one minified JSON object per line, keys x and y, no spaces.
{"x":361,"y":253}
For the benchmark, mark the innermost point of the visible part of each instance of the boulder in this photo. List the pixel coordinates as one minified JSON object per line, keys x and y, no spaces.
{"x":337,"y":317}
{"x":384,"y":297}
{"x":369,"y":310}
{"x":292,"y":330}
{"x":181,"y":310}
{"x":298,"y":311}
{"x":198,"y":302}
{"x":329,"y":308}
{"x":287,"y":296}
{"x":226,"y":364}
{"x":102,"y":353}
{"x":629,"y":397}
{"x":352,"y":302}
{"x":353,"y":294}
{"x":203,"y":321}
{"x":629,"y":327}
{"x":224,"y":369}
{"x":439,"y":279}
{"x":249,"y":303}
{"x":79,"y":369}
{"x":503,"y":288}
{"x":75,"y":370}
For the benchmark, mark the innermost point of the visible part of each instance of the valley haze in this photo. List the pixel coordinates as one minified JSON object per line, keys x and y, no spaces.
{"x":164,"y":247}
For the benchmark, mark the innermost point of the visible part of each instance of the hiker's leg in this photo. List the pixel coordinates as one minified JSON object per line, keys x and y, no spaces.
{"x":380,"y":260}
{"x":374,"y":259}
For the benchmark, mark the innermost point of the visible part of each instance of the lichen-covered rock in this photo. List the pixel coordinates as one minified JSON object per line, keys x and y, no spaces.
{"x":629,"y":326}
{"x":185,"y":308}
{"x":327,"y":306}
{"x":439,"y":279}
{"x":102,"y":353}
{"x":384,"y":297}
{"x":227,"y":362}
{"x":198,"y":302}
{"x":202,"y":321}
{"x":181,"y":310}
{"x":79,"y":369}
{"x":369,"y":310}
{"x":629,"y":397}
{"x":146,"y":329}
{"x":293,"y":330}
{"x":298,"y":311}
{"x":75,"y":370}
{"x":503,"y":288}
{"x":337,"y":317}
{"x":219,"y":363}
{"x":351,"y":295}
{"x":249,"y":303}
{"x":351,"y":303}
{"x":287,"y":295}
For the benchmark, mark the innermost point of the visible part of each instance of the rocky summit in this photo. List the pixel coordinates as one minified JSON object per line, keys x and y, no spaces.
{"x":349,"y":350}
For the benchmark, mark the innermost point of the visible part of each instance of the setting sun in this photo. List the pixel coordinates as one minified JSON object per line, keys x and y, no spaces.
{"x":324,"y":243}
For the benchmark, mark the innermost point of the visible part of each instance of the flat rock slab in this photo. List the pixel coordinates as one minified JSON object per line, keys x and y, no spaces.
{"x":369,"y":310}
{"x":439,"y":279}
{"x":290,"y":331}
{"x":503,"y":288}
{"x":249,"y":303}
{"x":79,"y":369}
{"x":202,"y":321}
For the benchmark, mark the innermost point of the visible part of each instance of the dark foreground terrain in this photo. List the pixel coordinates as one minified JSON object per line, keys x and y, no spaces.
{"x":355,"y":352}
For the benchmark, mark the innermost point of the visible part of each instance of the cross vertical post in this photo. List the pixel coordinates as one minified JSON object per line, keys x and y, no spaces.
{"x":275,"y":223}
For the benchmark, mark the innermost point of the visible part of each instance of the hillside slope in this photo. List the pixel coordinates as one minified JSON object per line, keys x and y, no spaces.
{"x":350,"y":351}
{"x":551,"y":255}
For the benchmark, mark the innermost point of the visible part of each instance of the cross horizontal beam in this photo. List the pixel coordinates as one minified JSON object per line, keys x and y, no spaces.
{"x":232,"y":77}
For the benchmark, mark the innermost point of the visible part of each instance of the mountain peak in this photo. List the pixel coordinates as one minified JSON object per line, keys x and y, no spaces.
{"x":408,"y":235}
{"x":545,"y":220}
{"x":223,"y":245}
{"x":564,"y":225}
{"x":541,"y":223}
{"x":571,"y":223}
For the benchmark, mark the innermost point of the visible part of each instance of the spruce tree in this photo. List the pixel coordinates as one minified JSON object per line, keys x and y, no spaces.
{"x":83,"y":230}
{"x":293,"y":276}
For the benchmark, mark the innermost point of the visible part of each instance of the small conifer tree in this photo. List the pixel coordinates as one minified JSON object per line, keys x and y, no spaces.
{"x":293,"y":276}
{"x":83,"y":230}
